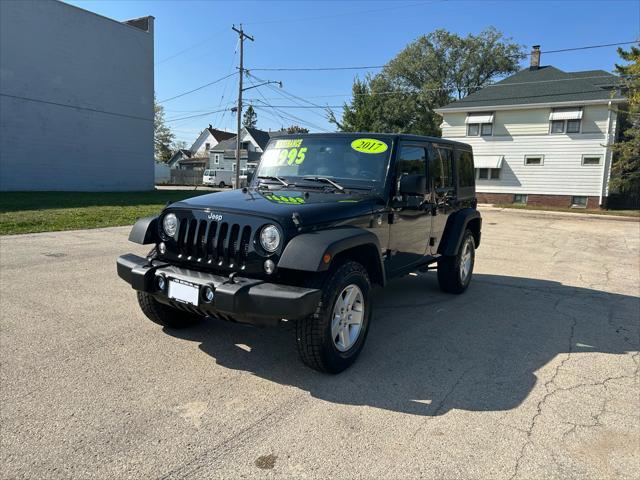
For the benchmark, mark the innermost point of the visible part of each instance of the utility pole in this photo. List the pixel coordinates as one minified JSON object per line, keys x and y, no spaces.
{"x":242,"y":36}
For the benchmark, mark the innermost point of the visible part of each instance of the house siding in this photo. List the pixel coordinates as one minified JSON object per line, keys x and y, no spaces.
{"x":517,"y":133}
{"x":76,"y":111}
{"x":562,"y":172}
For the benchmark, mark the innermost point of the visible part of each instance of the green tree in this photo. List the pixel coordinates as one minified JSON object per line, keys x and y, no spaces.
{"x":250,"y":118}
{"x":179,"y":145}
{"x":430,"y":72}
{"x":296,"y":129}
{"x":162,"y":136}
{"x":625,"y":169}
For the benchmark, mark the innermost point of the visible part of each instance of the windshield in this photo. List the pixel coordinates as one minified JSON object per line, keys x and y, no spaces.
{"x":346,"y":159}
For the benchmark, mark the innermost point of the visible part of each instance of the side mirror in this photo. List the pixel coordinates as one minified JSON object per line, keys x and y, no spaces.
{"x":413,"y":185}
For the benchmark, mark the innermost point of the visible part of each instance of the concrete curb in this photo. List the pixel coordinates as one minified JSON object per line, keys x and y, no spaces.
{"x":551,"y":213}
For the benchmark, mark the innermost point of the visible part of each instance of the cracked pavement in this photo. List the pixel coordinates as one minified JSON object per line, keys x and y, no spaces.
{"x":532,"y":373}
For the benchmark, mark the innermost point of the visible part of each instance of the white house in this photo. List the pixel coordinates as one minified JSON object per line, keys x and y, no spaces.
{"x":198,"y":154}
{"x":540,"y":136}
{"x":253,"y":143}
{"x":76,"y":99}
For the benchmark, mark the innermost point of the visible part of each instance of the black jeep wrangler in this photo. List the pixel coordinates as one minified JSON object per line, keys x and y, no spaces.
{"x":326,"y":216}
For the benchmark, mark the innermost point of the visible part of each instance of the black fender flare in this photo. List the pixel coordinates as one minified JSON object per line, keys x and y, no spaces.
{"x":145,"y":231}
{"x":456,"y":225}
{"x":306,"y":251}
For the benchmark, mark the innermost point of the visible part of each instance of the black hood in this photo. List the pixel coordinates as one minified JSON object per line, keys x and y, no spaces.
{"x":312,"y":207}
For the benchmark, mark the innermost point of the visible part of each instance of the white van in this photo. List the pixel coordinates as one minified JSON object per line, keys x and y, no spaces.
{"x":218,"y":178}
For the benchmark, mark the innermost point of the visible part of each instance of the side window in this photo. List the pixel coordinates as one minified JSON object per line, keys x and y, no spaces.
{"x":411,"y":161}
{"x":465,"y":170}
{"x":442,"y":168}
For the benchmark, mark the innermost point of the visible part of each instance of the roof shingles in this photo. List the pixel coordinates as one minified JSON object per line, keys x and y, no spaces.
{"x":543,"y":85}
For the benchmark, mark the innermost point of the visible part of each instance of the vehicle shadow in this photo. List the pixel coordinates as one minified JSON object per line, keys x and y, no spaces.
{"x":430,"y":352}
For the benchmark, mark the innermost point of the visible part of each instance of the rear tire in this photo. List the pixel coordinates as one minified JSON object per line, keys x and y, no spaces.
{"x":164,"y":314}
{"x":454,"y":272}
{"x":331,"y":339}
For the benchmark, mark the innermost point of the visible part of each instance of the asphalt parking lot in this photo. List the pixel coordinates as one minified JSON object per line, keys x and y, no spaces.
{"x":533,"y":373}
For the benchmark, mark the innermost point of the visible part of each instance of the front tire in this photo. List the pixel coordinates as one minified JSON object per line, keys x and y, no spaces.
{"x":164,"y":314}
{"x":331,"y":339}
{"x":454,"y":273}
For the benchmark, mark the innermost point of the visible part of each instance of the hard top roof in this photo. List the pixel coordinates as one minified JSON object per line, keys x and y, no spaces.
{"x":394,"y":136}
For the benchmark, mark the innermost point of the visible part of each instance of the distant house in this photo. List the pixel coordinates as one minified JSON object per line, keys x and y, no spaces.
{"x":253,"y":143}
{"x":198,"y":155}
{"x":84,"y":83}
{"x":540,"y":136}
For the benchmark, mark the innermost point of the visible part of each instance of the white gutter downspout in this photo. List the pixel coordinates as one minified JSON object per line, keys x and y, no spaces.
{"x":607,"y":157}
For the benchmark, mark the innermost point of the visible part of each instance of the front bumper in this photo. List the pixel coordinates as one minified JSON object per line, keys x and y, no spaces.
{"x":244,"y":300}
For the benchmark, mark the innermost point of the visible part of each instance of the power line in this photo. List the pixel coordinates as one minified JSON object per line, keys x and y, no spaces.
{"x":191,"y":47}
{"x":370,"y":67}
{"x":226,"y":83}
{"x":76,"y":107}
{"x":265,"y":100}
{"x":195,"y":116}
{"x":293,"y":117}
{"x":197,"y":88}
{"x":589,"y":46}
{"x":293,"y":98}
{"x":301,"y":106}
{"x":395,"y":92}
{"x":440,"y":89}
{"x":312,"y":69}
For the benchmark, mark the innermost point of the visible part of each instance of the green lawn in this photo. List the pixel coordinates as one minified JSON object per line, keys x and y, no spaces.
{"x":29,"y":212}
{"x":624,"y":213}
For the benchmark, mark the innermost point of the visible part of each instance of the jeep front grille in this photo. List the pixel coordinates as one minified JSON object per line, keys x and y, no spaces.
{"x":221,"y":243}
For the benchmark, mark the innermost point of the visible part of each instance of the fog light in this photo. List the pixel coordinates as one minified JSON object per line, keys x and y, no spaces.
{"x":269,"y":266}
{"x":208,"y":294}
{"x":160,"y":282}
{"x":162,"y":248}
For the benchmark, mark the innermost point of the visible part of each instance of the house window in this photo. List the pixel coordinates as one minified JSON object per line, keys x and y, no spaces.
{"x":534,"y":159}
{"x":578,"y":202}
{"x":479,"y":124}
{"x":482,"y":129}
{"x":488,"y":173}
{"x":565,"y":120}
{"x":557,"y":126}
{"x":520,"y":198}
{"x":591,"y":159}
{"x":573,"y":126}
{"x":486,"y":129}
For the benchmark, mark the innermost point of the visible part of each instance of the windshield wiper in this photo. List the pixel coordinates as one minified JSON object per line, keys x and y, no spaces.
{"x":325,"y":180}
{"x":277,"y":179}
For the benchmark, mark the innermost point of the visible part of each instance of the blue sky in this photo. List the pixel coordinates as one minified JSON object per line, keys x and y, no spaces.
{"x":194,"y":44}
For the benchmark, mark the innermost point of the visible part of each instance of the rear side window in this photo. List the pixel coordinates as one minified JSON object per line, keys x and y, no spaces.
{"x":466,"y":173}
{"x":442,"y":168}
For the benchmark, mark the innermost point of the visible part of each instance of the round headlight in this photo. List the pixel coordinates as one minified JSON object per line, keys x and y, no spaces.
{"x":270,"y":238}
{"x":170,"y":224}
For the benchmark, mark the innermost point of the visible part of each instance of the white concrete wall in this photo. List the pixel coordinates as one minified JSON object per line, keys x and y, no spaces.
{"x":76,"y":100}
{"x":526,"y":132}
